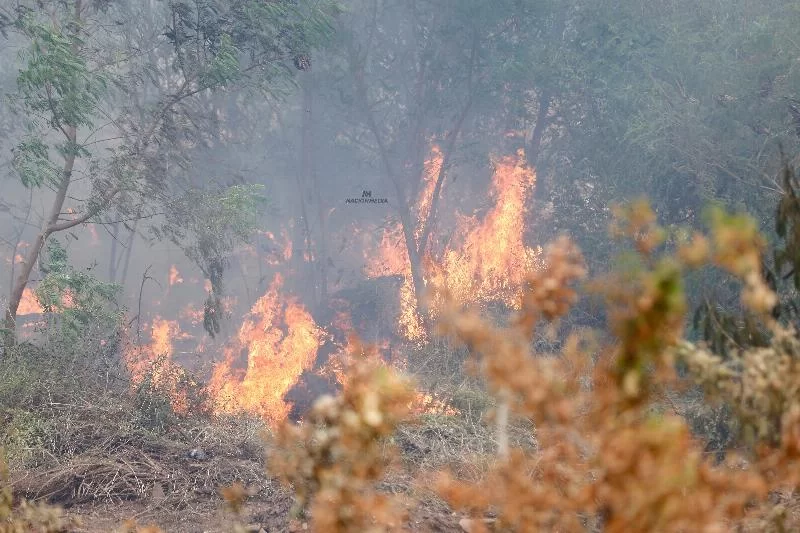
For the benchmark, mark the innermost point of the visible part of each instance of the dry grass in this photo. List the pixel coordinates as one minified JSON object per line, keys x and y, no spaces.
{"x":100,"y":455}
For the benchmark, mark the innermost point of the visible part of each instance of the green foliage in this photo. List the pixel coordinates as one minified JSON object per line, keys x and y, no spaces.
{"x":725,"y":326}
{"x":207,"y":226}
{"x":23,"y":365}
{"x":224,"y":68}
{"x":32,"y":163}
{"x":220,"y":42}
{"x":57,"y":81}
{"x":81,"y":302}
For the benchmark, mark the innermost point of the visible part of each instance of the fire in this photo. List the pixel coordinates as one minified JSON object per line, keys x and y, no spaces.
{"x":140,"y":360}
{"x":392,"y":259}
{"x":279,"y":340}
{"x":95,"y":237}
{"x":425,"y":403}
{"x":163,"y":333}
{"x":29,"y":304}
{"x":490,"y":260}
{"x":486,"y":258}
{"x":433,"y":165}
{"x":174,"y":276}
{"x":154,"y":362}
{"x":192,"y":314}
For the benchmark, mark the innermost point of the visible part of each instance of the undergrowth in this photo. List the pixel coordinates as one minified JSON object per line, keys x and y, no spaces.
{"x":589,"y":437}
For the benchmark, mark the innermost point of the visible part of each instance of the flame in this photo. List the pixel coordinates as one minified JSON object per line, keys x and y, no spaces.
{"x":392,"y":259}
{"x":174,"y":276}
{"x":430,"y":404}
{"x":140,"y":360}
{"x":490,"y":260}
{"x":431,"y":169}
{"x":154,"y":362}
{"x":163,"y":332}
{"x":95,"y":237}
{"x":486,"y":258}
{"x":193,"y":314}
{"x":29,"y":304}
{"x":68,"y":298}
{"x":279,"y":340}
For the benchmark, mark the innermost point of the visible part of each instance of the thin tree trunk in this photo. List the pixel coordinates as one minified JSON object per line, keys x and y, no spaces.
{"x":427,"y":228}
{"x":18,"y":287}
{"x":128,"y":252}
{"x":113,"y":263}
{"x":310,"y":171}
{"x":535,"y":145}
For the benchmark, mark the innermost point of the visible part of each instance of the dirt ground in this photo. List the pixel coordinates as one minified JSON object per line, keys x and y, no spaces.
{"x":267,"y":513}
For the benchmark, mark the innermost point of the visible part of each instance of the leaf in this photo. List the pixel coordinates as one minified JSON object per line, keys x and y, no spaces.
{"x":32,"y":163}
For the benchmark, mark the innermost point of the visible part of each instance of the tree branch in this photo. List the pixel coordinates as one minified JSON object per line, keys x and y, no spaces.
{"x":451,"y":143}
{"x":67,"y":224}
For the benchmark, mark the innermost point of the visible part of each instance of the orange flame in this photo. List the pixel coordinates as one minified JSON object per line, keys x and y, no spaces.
{"x":140,"y":360}
{"x":426,"y":403}
{"x":433,"y":166}
{"x":154,"y":361}
{"x":492,"y":260}
{"x":280,"y":340}
{"x":95,"y":237}
{"x":192,"y":314}
{"x":486,"y":260}
{"x":29,"y":304}
{"x":174,"y":276}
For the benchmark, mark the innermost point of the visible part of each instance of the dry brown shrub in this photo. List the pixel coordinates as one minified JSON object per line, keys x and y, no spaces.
{"x":335,"y":457}
{"x":605,"y":458}
{"x":26,"y":517}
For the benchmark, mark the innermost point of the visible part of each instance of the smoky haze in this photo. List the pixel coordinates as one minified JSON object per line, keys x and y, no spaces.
{"x":424,"y":104}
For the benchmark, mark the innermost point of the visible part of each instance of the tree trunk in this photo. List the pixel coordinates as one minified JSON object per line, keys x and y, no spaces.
{"x":314,"y":199}
{"x":113,"y":263}
{"x":538,"y":130}
{"x":128,"y":251}
{"x":310,"y":147}
{"x":48,"y":226}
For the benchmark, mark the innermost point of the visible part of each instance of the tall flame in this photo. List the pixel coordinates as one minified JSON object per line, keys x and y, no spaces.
{"x":174,"y":276}
{"x":431,"y":170}
{"x":489,"y":260}
{"x":486,"y":258}
{"x":154,"y":362}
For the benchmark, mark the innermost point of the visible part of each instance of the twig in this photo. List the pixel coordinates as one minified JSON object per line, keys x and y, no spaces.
{"x":145,"y":277}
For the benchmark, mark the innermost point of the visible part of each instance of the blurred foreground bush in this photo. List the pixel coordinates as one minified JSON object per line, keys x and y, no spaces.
{"x":610,"y":454}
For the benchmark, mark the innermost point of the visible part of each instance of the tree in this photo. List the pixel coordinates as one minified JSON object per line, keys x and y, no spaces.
{"x":414,"y":73}
{"x":645,"y":100}
{"x":75,"y":76}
